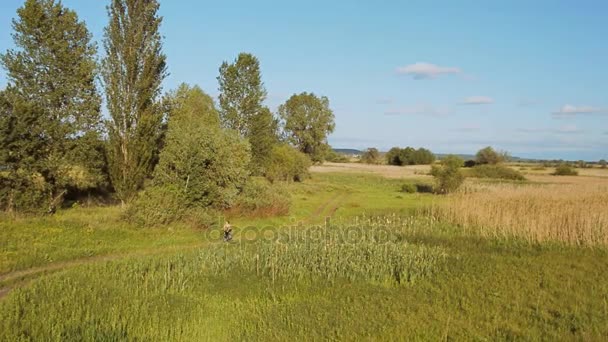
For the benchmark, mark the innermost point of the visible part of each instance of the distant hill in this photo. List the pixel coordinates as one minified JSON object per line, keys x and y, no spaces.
{"x":348,"y":151}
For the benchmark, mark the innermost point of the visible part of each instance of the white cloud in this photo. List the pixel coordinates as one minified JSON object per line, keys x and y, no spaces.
{"x":422,"y":70}
{"x":422,"y":109}
{"x":477,"y":100}
{"x":570,"y":110}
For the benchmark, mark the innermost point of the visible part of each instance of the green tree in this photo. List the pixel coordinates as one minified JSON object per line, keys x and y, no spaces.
{"x":287,"y":164}
{"x":206,"y":163}
{"x":448,"y":176}
{"x":22,"y":152}
{"x":603,"y":163}
{"x":490,"y":156}
{"x":371,"y":156}
{"x":263,"y":137}
{"x":133,"y":70}
{"x":307,"y":121}
{"x":192,"y":103}
{"x":393,"y":156}
{"x":53,"y":69}
{"x":422,"y":156}
{"x":242,"y":93}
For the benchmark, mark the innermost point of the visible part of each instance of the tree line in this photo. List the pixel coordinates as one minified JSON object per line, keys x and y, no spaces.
{"x":56,"y":144}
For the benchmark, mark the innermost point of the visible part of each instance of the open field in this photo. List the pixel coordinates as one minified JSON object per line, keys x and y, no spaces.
{"x":354,"y":259}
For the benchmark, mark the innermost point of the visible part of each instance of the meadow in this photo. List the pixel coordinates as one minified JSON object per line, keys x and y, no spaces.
{"x":356,"y":258}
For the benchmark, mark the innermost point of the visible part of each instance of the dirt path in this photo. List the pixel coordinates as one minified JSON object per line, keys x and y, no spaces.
{"x":328,"y":208}
{"x":11,"y":280}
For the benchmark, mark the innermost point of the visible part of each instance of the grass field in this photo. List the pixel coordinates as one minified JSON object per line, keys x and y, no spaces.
{"x":355,"y":259}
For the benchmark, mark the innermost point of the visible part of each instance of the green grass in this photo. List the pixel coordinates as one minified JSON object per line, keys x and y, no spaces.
{"x":79,"y":233}
{"x":483,"y":289}
{"x":387,"y":277}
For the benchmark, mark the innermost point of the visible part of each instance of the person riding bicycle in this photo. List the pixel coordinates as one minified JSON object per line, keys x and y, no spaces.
{"x":227,"y":231}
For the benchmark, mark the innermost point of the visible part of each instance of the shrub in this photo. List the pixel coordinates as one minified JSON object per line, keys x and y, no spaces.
{"x":261,"y":198}
{"x":412,"y":188}
{"x":565,"y":170}
{"x":424,"y":188}
{"x":409,"y":188}
{"x":409,"y":156}
{"x":448,"y":176}
{"x":335,"y":157}
{"x":489,"y":156}
{"x":371,"y":156}
{"x":603,"y":163}
{"x":157,"y":205}
{"x":496,"y":172}
{"x":470,"y":163}
{"x":208,"y":164}
{"x":287,"y":164}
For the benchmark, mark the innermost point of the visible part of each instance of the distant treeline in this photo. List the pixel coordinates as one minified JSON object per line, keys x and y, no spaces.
{"x":409,"y":156}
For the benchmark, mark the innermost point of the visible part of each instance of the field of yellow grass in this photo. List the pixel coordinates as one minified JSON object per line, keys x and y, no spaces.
{"x":573,"y":210}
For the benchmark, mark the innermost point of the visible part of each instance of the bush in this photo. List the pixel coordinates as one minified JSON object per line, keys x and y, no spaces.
{"x":157,"y":205}
{"x":260,"y":198}
{"x":496,"y":172}
{"x":287,"y":164}
{"x":424,"y":188}
{"x":448,"y":176}
{"x":371,"y":156}
{"x":335,"y":157}
{"x":470,"y":163}
{"x":565,"y":170}
{"x":489,"y":156}
{"x":409,"y":188}
{"x":409,"y":156}
{"x":208,"y":164}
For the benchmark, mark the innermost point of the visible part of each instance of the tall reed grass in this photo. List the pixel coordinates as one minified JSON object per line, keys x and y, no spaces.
{"x":575,"y":213}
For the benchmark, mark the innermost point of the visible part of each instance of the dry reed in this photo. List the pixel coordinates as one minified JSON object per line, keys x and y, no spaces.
{"x":575,"y":213}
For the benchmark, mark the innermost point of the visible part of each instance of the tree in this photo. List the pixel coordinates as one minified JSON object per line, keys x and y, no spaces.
{"x":133,"y":70}
{"x":22,"y":152}
{"x":603,"y":163}
{"x":307,"y":121}
{"x":192,"y":103}
{"x":488,"y":155}
{"x":393,"y":156}
{"x":371,"y":156}
{"x":51,"y":78}
{"x":206,"y":164}
{"x":241,"y":93}
{"x":448,"y":176}
{"x":263,"y":137}
{"x":422,"y":156}
{"x":287,"y":164}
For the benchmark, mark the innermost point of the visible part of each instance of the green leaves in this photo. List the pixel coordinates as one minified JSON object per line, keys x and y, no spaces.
{"x":308,"y":121}
{"x":133,"y":71}
{"x":51,"y":103}
{"x":242,"y":93}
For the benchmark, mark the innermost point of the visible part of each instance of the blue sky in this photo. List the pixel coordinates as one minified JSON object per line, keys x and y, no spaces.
{"x":529,"y":77}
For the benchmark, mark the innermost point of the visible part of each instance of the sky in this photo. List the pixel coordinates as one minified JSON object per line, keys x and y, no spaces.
{"x":527,"y":77}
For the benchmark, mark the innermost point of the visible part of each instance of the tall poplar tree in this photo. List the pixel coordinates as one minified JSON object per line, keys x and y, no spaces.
{"x":52,"y":98}
{"x":133,"y":70}
{"x":242,"y":93}
{"x":241,"y":99}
